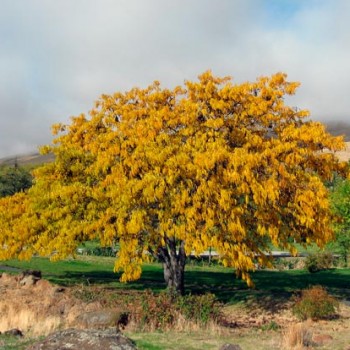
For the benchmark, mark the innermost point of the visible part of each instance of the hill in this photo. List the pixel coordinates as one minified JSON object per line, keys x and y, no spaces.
{"x":32,"y":159}
{"x":337,"y":128}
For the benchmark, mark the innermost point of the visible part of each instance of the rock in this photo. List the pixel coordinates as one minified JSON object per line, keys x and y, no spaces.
{"x":101,"y":319}
{"x":28,"y":281}
{"x":29,"y":277}
{"x":87,"y":339}
{"x":230,"y":347}
{"x":14,"y":332}
{"x":321,"y":339}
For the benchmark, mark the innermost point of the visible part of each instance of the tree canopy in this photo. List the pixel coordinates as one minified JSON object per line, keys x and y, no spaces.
{"x":168,"y":173}
{"x":14,"y":179}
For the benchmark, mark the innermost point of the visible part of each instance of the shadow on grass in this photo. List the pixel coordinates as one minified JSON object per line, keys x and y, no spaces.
{"x":272,"y":287}
{"x":335,"y":280}
{"x":149,"y":280}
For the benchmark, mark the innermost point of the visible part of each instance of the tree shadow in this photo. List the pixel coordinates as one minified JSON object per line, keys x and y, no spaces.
{"x":273,"y":289}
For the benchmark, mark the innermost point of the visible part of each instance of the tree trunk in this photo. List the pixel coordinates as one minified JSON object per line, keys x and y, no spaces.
{"x":174,"y":265}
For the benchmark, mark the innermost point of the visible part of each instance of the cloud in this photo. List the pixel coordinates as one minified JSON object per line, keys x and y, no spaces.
{"x":57,"y":57}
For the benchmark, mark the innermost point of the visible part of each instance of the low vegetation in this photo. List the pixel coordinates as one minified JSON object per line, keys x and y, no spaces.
{"x":316,"y":262}
{"x":315,"y":303}
{"x":169,"y":311}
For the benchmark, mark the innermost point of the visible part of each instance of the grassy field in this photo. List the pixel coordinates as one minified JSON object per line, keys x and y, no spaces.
{"x":221,"y":281}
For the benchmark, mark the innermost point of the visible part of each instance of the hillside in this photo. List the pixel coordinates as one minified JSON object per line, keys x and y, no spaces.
{"x":337,"y":128}
{"x":31,"y":159}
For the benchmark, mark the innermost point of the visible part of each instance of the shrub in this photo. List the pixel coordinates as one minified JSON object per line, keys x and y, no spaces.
{"x":199,"y":308}
{"x":319,"y":261}
{"x":282,"y":264}
{"x":164,"y":310}
{"x":157,"y":311}
{"x":315,"y":303}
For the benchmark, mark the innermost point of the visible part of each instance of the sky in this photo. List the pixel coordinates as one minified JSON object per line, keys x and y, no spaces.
{"x":58,"y":57}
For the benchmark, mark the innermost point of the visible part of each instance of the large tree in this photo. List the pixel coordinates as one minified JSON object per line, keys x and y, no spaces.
{"x":170,"y":173}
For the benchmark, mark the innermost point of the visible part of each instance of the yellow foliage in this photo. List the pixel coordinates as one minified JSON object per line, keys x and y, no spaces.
{"x":211,"y":164}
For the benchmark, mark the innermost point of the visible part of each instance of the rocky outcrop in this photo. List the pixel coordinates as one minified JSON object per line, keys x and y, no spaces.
{"x":102,"y":319}
{"x":87,"y":339}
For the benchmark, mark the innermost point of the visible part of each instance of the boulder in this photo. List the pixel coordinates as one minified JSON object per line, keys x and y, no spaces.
{"x":87,"y":339}
{"x":101,"y":319}
{"x":35,"y":273}
{"x":29,"y":280}
{"x":29,"y":277}
{"x":14,"y":332}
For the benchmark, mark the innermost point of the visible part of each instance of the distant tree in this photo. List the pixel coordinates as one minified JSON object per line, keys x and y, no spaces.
{"x":14,"y":179}
{"x":341,"y":205}
{"x":173,"y":172}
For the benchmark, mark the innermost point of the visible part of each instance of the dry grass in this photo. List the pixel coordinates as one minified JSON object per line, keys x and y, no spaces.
{"x":27,"y":321}
{"x":181,"y":324}
{"x":296,"y":337}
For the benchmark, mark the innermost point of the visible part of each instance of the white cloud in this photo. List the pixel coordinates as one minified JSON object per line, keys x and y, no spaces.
{"x":57,"y":57}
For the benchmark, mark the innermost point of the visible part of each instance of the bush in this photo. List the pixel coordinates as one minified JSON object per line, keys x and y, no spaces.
{"x":282,"y":264}
{"x":157,"y":311}
{"x":199,"y":308}
{"x":315,"y":303}
{"x":319,"y":261}
{"x":164,"y":310}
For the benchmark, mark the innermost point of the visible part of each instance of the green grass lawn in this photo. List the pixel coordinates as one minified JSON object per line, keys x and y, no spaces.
{"x":198,"y":279}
